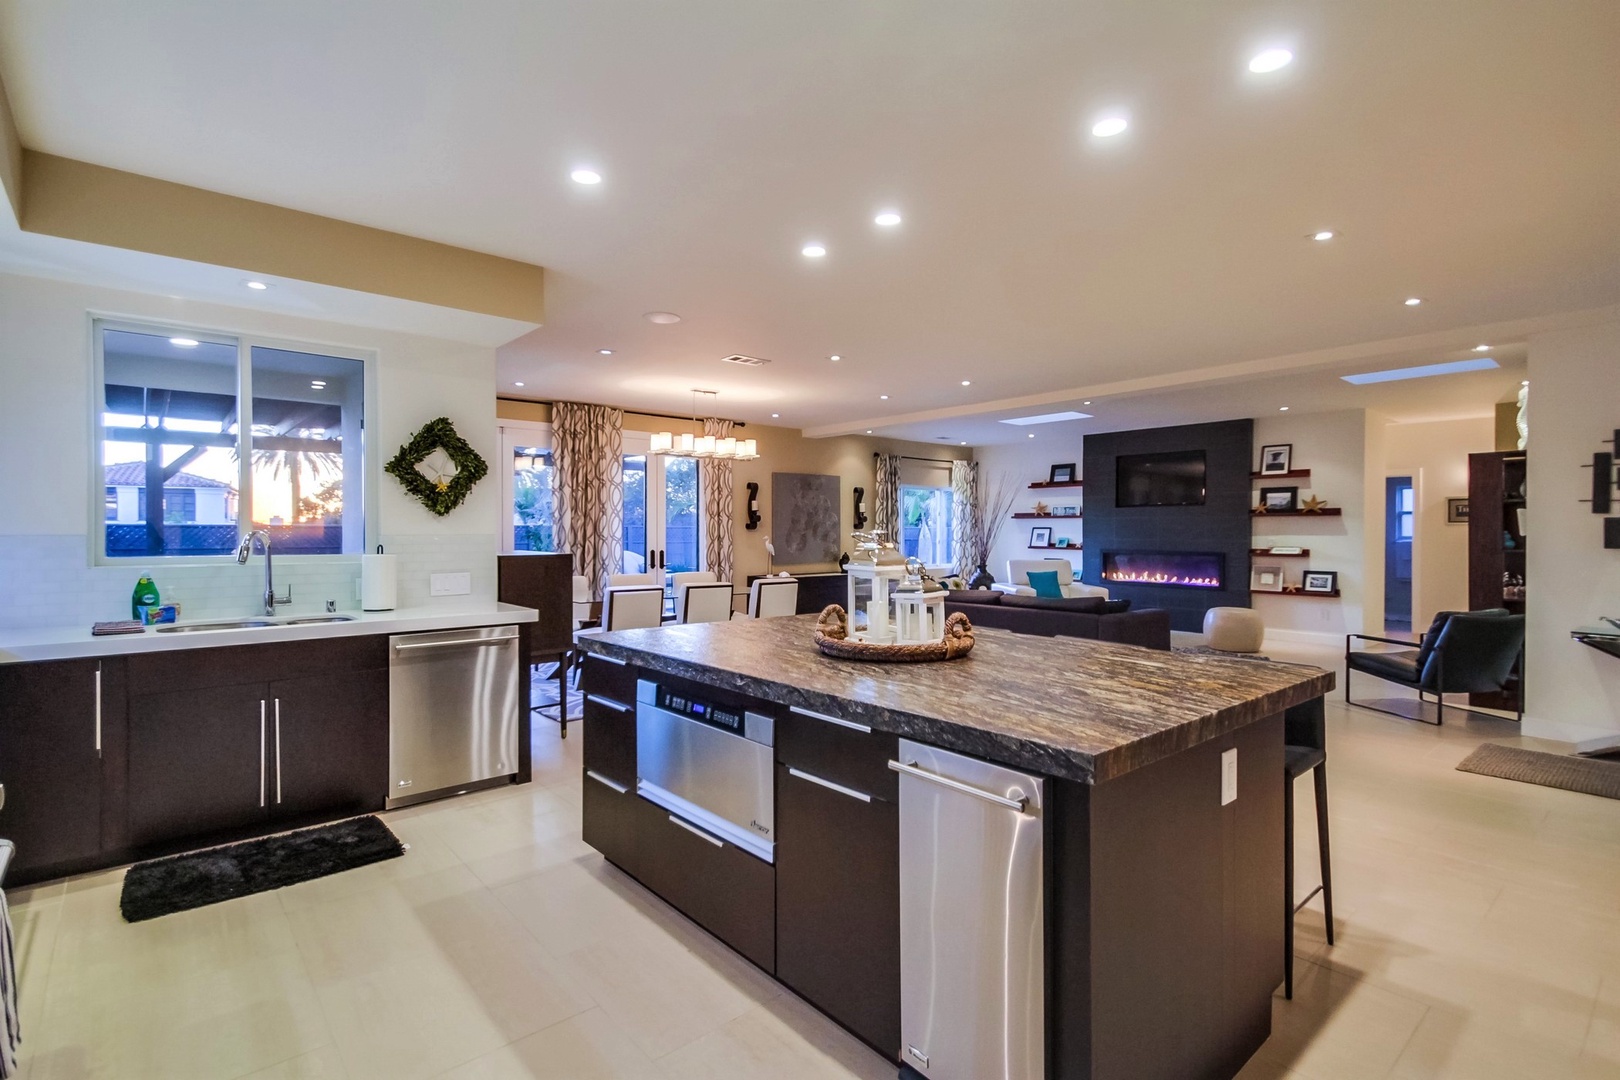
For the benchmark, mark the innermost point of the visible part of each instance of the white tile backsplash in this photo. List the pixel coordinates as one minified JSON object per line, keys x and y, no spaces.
{"x":48,"y":580}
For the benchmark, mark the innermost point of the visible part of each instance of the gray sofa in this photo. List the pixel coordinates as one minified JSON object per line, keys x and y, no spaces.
{"x":1082,"y":617}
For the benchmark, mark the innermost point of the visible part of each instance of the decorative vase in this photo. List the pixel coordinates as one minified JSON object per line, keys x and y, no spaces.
{"x":982,"y":579}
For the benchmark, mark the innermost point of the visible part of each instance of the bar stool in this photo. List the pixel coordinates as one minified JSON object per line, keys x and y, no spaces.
{"x":1305,"y":749}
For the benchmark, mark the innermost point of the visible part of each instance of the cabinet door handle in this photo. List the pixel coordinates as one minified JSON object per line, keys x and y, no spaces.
{"x":600,"y":779}
{"x":98,"y":710}
{"x":608,"y":659}
{"x":261,"y":752}
{"x":830,"y":786}
{"x":278,"y":751}
{"x":697,"y":832}
{"x":852,"y":725}
{"x":606,"y":703}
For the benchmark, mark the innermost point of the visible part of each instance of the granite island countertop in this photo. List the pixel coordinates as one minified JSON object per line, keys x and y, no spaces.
{"x":1067,"y":707}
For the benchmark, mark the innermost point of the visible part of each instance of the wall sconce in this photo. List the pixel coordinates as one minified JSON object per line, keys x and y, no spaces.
{"x":753,"y":506}
{"x":860,"y":508}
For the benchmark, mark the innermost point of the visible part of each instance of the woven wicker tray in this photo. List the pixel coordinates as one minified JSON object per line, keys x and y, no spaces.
{"x":832,"y":638}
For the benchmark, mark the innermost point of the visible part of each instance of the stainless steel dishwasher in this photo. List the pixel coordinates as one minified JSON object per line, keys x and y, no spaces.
{"x":972,"y":940}
{"x":452,"y":711}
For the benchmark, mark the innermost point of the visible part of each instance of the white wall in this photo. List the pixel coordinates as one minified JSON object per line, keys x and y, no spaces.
{"x":1435,"y":456}
{"x":1021,"y":464}
{"x":1573,"y":691}
{"x":1337,"y":447}
{"x":45,"y":426}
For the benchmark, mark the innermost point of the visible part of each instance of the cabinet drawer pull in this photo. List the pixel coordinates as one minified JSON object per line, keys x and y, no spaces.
{"x":98,"y":710}
{"x":852,"y":725}
{"x":604,"y":781}
{"x":278,"y":751}
{"x":261,"y":750}
{"x":614,"y":705}
{"x":830,"y":786}
{"x":695,"y":831}
{"x":607,"y":659}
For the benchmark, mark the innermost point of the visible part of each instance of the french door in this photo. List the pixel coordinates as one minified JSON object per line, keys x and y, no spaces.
{"x":662,"y":511}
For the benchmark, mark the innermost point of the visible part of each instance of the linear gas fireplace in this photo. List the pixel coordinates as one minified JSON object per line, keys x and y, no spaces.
{"x":1182,"y":569}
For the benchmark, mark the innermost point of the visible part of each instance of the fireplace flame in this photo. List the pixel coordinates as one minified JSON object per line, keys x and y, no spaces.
{"x":1136,"y":577}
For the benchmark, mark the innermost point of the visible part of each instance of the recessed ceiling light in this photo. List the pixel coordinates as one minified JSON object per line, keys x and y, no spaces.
{"x":883,"y":397}
{"x":1482,"y":348}
{"x":183,"y":342}
{"x":887,"y":219}
{"x":586,"y":176}
{"x":967,"y":382}
{"x":964,"y":444}
{"x":1047,"y":418}
{"x":1413,"y":301}
{"x":1423,"y":371}
{"x":662,"y":318}
{"x":605,"y":352}
{"x":1032,"y":434}
{"x":1324,"y":234}
{"x":1109,"y":126}
{"x":1282,"y":408}
{"x":256,"y":285}
{"x":869,"y":431}
{"x":776,"y":416}
{"x":1085,"y":403}
{"x":1270,"y":60}
{"x":517,"y":384}
{"x":813,"y":251}
{"x":317,"y":384}
{"x":1525,"y":383}
{"x":835,"y":357}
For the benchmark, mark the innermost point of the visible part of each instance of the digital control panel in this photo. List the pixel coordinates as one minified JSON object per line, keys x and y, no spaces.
{"x":720,"y":716}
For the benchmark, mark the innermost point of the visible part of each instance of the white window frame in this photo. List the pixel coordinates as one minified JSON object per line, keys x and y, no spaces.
{"x":639,"y":444}
{"x":513,"y":434}
{"x":371,"y":466}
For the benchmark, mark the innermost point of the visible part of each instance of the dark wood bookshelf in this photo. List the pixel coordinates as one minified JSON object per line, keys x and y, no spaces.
{"x":1326,"y":511}
{"x":1267,"y":553}
{"x":1024,"y":515}
{"x":1300,"y":592}
{"x":1294,"y":474}
{"x":1039,"y":484}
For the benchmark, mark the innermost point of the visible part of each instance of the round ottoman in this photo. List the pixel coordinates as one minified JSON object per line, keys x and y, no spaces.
{"x":1234,"y":629}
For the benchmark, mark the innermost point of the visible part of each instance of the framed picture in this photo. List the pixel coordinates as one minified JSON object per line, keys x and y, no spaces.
{"x":1062,"y":541}
{"x":1321,"y":581}
{"x":1266,"y":579}
{"x":1277,"y":459}
{"x":1066,"y":511}
{"x":1040,"y":536}
{"x":1273,"y":499}
{"x":1456,"y":511}
{"x":1062,"y":474}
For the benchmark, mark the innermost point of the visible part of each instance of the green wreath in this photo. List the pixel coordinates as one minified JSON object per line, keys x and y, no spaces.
{"x":441,"y":495}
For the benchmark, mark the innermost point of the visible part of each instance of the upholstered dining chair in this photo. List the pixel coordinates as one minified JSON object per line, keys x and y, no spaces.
{"x":1462,"y":652}
{"x":633,"y":607}
{"x":770,"y":597}
{"x":582,"y":601}
{"x":619,"y":581}
{"x":704,"y":601}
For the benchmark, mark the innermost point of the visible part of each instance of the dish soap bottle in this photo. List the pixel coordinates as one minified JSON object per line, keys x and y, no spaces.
{"x":145,"y":595}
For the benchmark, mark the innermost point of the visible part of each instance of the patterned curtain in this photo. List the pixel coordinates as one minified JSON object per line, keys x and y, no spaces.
{"x":714,"y":480}
{"x":587,"y":493}
{"x":886,"y":496}
{"x":964,"y":514}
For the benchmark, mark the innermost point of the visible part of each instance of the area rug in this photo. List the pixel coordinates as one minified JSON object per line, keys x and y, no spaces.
{"x":1548,"y":770}
{"x":182,"y":882}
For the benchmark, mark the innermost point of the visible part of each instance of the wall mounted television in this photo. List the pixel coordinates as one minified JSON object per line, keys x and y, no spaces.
{"x":1172,"y":479}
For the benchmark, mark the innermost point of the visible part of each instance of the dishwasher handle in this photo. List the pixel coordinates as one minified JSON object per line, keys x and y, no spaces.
{"x":910,"y":769}
{"x":403,"y":646}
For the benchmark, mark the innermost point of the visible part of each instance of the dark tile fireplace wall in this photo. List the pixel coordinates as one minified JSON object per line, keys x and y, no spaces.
{"x":1222,"y":524}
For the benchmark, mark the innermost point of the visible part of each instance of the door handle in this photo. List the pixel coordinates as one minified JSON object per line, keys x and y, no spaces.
{"x":261,"y":752}
{"x":278,"y":751}
{"x":697,"y":832}
{"x":910,"y":769}
{"x":830,"y":786}
{"x":98,"y":709}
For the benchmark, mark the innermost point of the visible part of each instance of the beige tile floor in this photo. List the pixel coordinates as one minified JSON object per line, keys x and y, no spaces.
{"x":1478,"y":937}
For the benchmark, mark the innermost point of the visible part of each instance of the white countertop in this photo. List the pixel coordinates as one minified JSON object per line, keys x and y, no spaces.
{"x":71,"y":642}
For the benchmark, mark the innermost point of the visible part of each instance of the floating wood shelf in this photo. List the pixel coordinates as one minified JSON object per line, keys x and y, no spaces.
{"x":1055,"y":547}
{"x":1048,"y":484}
{"x":1049,"y":517}
{"x":1267,"y":553}
{"x":1314,"y":595}
{"x":1326,"y":511}
{"x":1294,"y":474}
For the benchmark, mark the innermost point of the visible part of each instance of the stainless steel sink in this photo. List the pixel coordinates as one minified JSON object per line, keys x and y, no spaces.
{"x":249,"y":624}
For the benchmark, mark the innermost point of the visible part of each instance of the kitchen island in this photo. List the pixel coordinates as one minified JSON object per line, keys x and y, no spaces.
{"x":1053,"y":858}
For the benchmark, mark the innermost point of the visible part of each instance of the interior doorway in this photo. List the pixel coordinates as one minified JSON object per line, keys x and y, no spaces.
{"x":1400,"y":521}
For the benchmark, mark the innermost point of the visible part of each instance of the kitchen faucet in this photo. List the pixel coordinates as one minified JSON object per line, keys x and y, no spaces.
{"x":244,"y":550}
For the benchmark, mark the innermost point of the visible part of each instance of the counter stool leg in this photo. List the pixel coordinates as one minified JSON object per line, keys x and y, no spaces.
{"x":1322,"y":847}
{"x":1288,"y":886}
{"x":562,"y":693}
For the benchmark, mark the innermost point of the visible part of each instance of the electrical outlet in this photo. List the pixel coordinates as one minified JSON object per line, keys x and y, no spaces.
{"x":1229,"y":776}
{"x":450,"y":584}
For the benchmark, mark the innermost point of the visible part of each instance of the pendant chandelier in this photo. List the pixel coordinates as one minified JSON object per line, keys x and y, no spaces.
{"x":728,"y":448}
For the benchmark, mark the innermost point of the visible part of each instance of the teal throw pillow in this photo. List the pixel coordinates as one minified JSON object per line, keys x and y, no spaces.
{"x":1045,"y":584}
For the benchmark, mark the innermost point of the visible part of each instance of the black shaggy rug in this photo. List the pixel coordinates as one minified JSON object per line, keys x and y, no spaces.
{"x":182,"y":882}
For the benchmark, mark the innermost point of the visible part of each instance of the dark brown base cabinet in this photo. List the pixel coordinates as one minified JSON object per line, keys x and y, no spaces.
{"x":107,"y":761}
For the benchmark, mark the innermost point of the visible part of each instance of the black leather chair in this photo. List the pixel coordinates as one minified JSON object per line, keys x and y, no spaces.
{"x":1304,"y":750}
{"x":1462,"y":652}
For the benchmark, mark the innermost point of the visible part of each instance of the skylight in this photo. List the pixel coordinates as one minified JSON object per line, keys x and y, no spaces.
{"x":1478,"y":363}
{"x":1047,"y":418}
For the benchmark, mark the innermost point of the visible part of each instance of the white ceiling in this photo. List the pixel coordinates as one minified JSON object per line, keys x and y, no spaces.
{"x":1466,"y":154}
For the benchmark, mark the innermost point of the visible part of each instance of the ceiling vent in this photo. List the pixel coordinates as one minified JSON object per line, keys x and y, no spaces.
{"x":746,"y":361}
